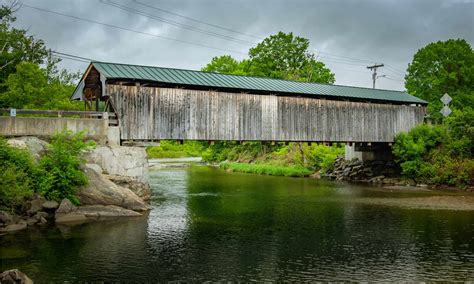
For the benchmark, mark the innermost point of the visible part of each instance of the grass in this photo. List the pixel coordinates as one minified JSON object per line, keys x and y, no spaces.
{"x":266,"y":169}
{"x":171,"y":149}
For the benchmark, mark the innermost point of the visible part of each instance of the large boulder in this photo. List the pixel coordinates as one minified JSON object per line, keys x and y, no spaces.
{"x":121,"y":161}
{"x":141,"y":189}
{"x":102,"y":191}
{"x":50,"y":205}
{"x":35,"y":204}
{"x":65,"y":207}
{"x":14,"y":276}
{"x":5,"y":218}
{"x":34,"y":145}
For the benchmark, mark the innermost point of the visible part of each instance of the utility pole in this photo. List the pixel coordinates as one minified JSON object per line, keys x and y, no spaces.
{"x":374,"y":75}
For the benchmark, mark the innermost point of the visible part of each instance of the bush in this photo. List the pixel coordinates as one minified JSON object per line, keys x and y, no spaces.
{"x":268,"y":158}
{"x":17,"y":172}
{"x":171,"y":149}
{"x":439,"y":154}
{"x":59,"y":169}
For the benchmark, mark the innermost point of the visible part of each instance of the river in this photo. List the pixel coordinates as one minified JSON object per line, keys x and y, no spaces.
{"x":207,"y":224}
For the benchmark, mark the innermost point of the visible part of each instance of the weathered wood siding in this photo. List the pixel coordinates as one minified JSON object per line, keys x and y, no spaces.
{"x":162,"y":113}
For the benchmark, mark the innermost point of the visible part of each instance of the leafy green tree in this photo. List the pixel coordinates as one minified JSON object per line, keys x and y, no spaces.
{"x":15,"y":45}
{"x":225,"y":64}
{"x":286,"y":56}
{"x":461,"y":133}
{"x":30,"y":87}
{"x":29,"y":74}
{"x":443,"y":67}
{"x":282,"y":56}
{"x":26,"y":87}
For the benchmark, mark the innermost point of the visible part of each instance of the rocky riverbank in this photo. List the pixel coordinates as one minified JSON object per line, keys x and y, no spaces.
{"x":117,"y":186}
{"x":377,"y":172}
{"x":386,"y":173}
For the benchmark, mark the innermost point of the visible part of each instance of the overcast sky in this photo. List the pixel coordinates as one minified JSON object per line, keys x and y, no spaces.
{"x":346,"y":35}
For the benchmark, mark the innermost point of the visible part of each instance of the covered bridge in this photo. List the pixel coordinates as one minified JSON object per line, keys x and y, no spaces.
{"x":155,"y":103}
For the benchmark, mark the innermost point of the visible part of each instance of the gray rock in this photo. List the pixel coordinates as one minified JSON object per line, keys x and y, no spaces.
{"x":43,"y":221}
{"x":97,"y":211}
{"x":122,"y":161}
{"x":31,"y":221}
{"x":71,"y":218}
{"x":95,"y":167}
{"x":40,"y":215}
{"x":141,"y":189}
{"x":14,"y":276}
{"x":35,"y":146}
{"x":35,"y":205}
{"x":357,"y":167}
{"x":13,"y":227}
{"x":5,"y":217}
{"x":50,"y":205}
{"x":65,"y":207}
{"x":101,"y":191}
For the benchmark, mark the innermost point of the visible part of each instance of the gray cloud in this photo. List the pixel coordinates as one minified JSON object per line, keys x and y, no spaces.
{"x":387,"y":31}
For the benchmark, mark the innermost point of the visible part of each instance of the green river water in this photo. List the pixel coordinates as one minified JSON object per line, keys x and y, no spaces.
{"x":207,"y":224}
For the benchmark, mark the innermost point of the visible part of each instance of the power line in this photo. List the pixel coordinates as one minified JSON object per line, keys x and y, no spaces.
{"x":393,"y":79}
{"x":173,"y":23}
{"x":347,"y":57}
{"x":87,"y":60}
{"x":340,"y":61}
{"x":131,"y":30}
{"x":71,"y":55}
{"x":350,"y":70}
{"x":195,"y":20}
{"x":69,"y":58}
{"x":354,"y":59}
{"x":394,"y":70}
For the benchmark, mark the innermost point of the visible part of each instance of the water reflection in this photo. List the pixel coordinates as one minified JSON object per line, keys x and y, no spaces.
{"x":212,"y":225}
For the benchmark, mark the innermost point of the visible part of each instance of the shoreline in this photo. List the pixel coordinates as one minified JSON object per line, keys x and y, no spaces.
{"x":392,"y":181}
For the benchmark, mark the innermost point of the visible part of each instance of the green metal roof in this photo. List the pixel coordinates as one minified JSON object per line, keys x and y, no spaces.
{"x":248,"y":83}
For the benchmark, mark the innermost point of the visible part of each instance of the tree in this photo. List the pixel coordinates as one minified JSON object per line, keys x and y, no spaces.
{"x":30,"y":87}
{"x":29,"y":74}
{"x":286,"y":56}
{"x":442,"y":67}
{"x":282,"y":56}
{"x":222,"y":64}
{"x":15,"y":45}
{"x":25,"y":87}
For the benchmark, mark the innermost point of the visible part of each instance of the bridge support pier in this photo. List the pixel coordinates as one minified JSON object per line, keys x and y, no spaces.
{"x":366,"y":152}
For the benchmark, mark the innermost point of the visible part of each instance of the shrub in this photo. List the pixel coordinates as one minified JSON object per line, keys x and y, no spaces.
{"x":275,"y":157}
{"x":17,"y":171}
{"x":439,"y":154}
{"x":59,"y":169}
{"x":171,"y":149}
{"x":323,"y":157}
